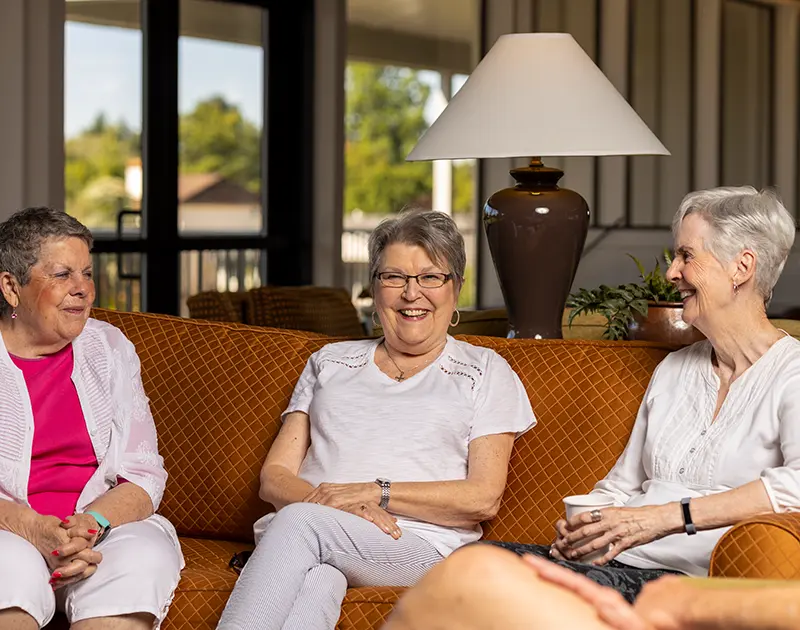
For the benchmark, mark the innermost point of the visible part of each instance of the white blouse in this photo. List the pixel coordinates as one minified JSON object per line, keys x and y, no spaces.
{"x":678,"y":450}
{"x":107,"y":377}
{"x":364,"y":424}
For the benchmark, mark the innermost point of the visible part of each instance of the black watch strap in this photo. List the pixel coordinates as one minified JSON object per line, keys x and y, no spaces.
{"x":688,"y":524}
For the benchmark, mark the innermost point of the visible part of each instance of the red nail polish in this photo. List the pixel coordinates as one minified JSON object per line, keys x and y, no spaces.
{"x":64,"y":521}
{"x":55,"y":553}
{"x":56,"y":575}
{"x":92,"y":531}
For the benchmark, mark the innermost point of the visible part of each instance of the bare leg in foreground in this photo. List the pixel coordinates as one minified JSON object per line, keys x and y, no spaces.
{"x":487,"y":588}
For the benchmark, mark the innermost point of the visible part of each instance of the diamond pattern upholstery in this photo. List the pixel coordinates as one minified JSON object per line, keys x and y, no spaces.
{"x":217,"y":391}
{"x":325,"y":310}
{"x":765,"y":547}
{"x":214,"y":306}
{"x":585,"y":395}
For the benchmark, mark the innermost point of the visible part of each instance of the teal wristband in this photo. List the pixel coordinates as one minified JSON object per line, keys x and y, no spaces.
{"x":102,"y":521}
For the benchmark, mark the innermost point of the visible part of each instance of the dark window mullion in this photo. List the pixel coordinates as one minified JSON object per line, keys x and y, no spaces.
{"x":289,"y":128}
{"x":161,"y":271}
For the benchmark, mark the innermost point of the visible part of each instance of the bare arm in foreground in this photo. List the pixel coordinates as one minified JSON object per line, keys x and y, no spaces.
{"x":486,"y":588}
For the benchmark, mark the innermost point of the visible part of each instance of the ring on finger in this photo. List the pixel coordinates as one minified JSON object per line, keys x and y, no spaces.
{"x":596,"y":515}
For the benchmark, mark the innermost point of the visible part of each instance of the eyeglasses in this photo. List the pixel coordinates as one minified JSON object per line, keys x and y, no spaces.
{"x":397,"y":280}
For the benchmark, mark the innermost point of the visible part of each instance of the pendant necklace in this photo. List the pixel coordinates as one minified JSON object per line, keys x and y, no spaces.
{"x":402,"y":376}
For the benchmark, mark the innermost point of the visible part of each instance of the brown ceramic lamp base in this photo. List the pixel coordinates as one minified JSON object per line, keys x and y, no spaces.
{"x":536,"y":232}
{"x":664,"y":323}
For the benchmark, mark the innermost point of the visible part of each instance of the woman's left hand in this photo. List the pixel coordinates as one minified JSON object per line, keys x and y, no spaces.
{"x":622,"y":528}
{"x":340,"y":495}
{"x":83,"y":526}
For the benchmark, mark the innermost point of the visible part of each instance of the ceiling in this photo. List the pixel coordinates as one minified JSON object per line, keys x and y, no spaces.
{"x":434,"y":34}
{"x":454,"y":20}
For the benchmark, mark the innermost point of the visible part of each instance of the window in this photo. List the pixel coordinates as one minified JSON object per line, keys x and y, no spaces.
{"x":102,"y":129}
{"x":405,"y":63}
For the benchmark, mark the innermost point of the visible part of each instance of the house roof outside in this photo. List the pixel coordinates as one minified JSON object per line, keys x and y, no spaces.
{"x":194,"y":188}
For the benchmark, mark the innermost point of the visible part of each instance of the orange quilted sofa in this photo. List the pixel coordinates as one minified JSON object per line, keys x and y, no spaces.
{"x":217,"y":391}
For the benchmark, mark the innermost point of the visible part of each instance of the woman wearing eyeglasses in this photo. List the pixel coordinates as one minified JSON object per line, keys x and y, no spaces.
{"x":392,"y":450}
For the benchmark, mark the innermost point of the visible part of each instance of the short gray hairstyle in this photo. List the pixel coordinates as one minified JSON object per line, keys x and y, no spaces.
{"x":22,"y":236}
{"x":744,"y":218}
{"x":433,"y":231}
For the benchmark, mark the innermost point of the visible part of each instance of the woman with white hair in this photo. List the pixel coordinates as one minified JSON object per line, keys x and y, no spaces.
{"x":717,"y":437}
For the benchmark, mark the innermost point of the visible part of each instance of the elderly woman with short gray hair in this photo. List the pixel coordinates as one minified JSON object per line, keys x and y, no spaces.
{"x":80,"y":473}
{"x":392,"y":450}
{"x":717,"y":437}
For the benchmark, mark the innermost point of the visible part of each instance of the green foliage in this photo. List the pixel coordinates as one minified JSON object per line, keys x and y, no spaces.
{"x":384,"y":118}
{"x":466,"y":298}
{"x":93,"y":159}
{"x":216,"y":138}
{"x":620,"y":304}
{"x":463,"y":186}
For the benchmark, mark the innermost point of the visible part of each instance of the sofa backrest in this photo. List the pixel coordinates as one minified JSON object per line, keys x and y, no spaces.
{"x":585,"y":395}
{"x":217,"y":391}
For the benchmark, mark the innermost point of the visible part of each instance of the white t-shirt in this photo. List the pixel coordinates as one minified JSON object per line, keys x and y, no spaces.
{"x":364,"y":424}
{"x":676,"y":451}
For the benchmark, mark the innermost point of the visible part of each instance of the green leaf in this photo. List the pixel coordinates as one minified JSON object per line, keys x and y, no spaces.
{"x":638,"y":264}
{"x":640,"y":306}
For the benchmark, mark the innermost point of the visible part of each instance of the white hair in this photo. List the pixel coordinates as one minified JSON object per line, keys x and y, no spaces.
{"x":744,"y":218}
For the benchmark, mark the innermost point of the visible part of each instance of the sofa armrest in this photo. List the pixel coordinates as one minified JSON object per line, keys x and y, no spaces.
{"x":766,"y":547}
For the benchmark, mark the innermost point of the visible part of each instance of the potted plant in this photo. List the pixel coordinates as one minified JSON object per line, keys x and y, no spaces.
{"x":650,"y":310}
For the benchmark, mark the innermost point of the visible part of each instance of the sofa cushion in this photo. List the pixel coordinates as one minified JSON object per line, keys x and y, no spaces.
{"x":206,"y":584}
{"x":368,"y":607}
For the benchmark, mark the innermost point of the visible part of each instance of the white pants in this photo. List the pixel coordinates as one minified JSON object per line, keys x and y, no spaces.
{"x":138,"y":574}
{"x":298,"y":574}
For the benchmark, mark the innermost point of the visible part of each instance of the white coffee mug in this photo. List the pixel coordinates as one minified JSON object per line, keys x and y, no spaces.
{"x":580,"y":503}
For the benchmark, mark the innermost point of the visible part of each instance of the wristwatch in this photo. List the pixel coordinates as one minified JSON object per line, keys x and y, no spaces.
{"x":386,"y":488}
{"x":688,"y":524}
{"x":102,"y":521}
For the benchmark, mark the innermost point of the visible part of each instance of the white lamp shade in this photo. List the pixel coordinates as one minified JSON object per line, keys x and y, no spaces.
{"x":536,"y":95}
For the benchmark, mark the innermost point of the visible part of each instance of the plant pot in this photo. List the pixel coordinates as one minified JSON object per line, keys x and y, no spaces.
{"x":664,"y":323}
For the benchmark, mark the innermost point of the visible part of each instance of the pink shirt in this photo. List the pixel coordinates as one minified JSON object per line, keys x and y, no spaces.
{"x":62,"y":456}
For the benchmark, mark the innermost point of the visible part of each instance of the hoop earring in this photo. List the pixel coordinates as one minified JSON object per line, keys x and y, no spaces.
{"x":458,"y":319}
{"x":375,"y":324}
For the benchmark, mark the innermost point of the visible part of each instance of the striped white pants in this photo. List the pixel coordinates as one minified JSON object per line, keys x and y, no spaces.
{"x":299,"y":572}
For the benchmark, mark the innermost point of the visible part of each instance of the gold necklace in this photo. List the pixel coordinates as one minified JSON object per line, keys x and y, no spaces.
{"x":402,"y":376}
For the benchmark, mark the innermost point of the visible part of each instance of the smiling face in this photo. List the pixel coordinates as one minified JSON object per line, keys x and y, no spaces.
{"x":706,"y":284}
{"x":414,"y":320}
{"x":54,"y":305}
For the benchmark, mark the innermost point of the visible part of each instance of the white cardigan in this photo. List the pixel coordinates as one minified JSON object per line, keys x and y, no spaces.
{"x":107,"y":377}
{"x":676,"y":450}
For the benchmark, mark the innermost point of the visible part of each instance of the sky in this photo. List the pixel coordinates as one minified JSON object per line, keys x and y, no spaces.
{"x":103,"y":73}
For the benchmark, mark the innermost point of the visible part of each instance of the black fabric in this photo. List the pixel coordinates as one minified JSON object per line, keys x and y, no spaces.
{"x":625,"y":579}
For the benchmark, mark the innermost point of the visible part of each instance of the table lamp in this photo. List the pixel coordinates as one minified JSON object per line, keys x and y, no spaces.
{"x":536,"y":94}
